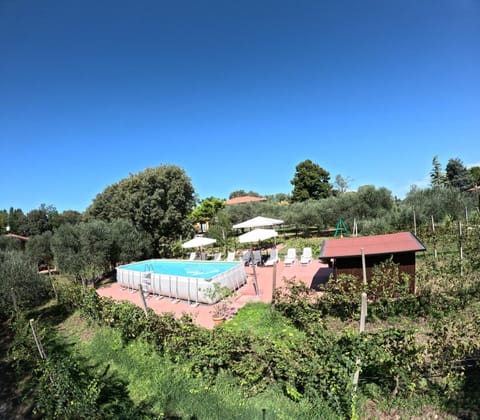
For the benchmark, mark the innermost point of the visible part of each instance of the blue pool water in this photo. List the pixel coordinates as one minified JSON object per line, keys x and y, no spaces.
{"x":196,"y":269}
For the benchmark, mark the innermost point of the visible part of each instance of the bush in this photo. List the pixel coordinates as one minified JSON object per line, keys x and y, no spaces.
{"x":20,"y":275}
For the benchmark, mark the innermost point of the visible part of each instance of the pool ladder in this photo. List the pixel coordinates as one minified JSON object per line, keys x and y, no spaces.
{"x":146,"y":281}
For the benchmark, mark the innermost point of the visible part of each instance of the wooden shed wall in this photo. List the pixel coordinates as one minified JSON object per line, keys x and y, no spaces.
{"x":353,"y":265}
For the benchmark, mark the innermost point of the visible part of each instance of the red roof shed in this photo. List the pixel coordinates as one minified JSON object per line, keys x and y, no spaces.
{"x":345,"y":253}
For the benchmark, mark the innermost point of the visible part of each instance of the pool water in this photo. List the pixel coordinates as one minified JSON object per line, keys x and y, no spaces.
{"x":196,"y":269}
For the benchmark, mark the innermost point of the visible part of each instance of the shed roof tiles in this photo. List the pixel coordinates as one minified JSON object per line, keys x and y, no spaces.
{"x":373,"y":245}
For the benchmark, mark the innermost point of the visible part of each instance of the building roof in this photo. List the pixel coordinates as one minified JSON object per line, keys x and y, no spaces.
{"x":244,"y":199}
{"x":373,"y":245}
{"x":13,"y":235}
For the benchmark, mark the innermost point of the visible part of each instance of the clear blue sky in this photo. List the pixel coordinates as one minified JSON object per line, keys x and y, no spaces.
{"x":237,"y":93}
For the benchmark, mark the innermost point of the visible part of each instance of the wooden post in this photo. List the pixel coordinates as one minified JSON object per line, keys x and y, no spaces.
{"x":274,"y":282}
{"x":144,"y":302}
{"x":434,"y":238}
{"x":43,"y":356}
{"x":363,"y":312}
{"x":255,"y":282}
{"x":363,"y":315}
{"x":414,"y":222}
{"x":14,"y":300}
{"x":54,"y":289}
{"x":364,"y":267}
{"x":460,"y":246}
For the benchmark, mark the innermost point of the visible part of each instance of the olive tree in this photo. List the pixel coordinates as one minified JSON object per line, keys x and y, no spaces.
{"x":38,"y":249}
{"x":20,"y":277}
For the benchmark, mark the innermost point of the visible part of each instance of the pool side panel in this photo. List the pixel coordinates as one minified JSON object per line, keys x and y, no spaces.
{"x":191,"y":289}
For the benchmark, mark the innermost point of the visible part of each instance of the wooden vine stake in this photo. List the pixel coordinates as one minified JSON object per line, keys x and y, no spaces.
{"x":274,"y":282}
{"x":460,"y":246}
{"x":43,"y":355}
{"x":434,"y":238}
{"x":363,"y":316}
{"x":144,"y":302}
{"x":14,"y":300}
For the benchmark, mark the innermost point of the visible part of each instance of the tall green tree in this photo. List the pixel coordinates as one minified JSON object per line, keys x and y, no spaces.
{"x":475,"y":175}
{"x":437,"y":176}
{"x":38,"y":221}
{"x":310,"y":182}
{"x":457,"y":174}
{"x":157,"y":201}
{"x":207,"y":209}
{"x":16,"y":221}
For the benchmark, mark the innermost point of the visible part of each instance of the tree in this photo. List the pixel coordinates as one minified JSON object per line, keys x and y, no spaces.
{"x":207,"y":209}
{"x":310,"y":182}
{"x":19,"y":274}
{"x":475,"y":175}
{"x":90,"y":249}
{"x":39,"y":220}
{"x":128,"y":243}
{"x":16,"y":221}
{"x":242,"y":193}
{"x":342,"y":183}
{"x":39,"y":250}
{"x":457,"y":174}
{"x":157,"y":201}
{"x":437,"y":177}
{"x":66,"y":248}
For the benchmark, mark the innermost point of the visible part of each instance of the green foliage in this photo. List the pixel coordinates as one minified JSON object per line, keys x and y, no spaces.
{"x":19,"y":274}
{"x":207,"y":209}
{"x":457,"y":174}
{"x":89,"y":249}
{"x":38,"y":249}
{"x":310,"y":182}
{"x":64,"y":391}
{"x":437,"y":176}
{"x":243,"y":193}
{"x":157,"y":200}
{"x":438,"y":202}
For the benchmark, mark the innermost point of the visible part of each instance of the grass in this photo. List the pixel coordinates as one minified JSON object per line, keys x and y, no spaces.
{"x":259,"y":319}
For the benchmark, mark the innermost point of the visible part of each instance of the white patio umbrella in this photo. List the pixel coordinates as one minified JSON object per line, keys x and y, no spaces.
{"x":198,"y":242}
{"x":257,"y":235}
{"x":258,"y":222}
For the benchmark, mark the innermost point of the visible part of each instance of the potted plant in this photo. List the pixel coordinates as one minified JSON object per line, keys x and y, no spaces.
{"x":220,"y":297}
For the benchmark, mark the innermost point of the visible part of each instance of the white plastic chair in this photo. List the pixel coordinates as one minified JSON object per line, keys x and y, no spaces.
{"x":306,"y":257}
{"x":231,"y":256}
{"x":291,"y":256}
{"x":193,"y":255}
{"x":273,"y":258}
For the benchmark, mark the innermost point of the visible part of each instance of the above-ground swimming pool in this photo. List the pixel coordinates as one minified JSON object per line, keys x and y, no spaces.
{"x":181,"y":279}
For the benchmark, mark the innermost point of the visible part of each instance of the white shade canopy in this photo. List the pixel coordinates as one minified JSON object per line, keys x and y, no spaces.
{"x":198,"y":241}
{"x":257,"y":235}
{"x":257,"y":222}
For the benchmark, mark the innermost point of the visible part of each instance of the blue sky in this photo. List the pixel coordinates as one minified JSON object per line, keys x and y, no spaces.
{"x":237,"y":93}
